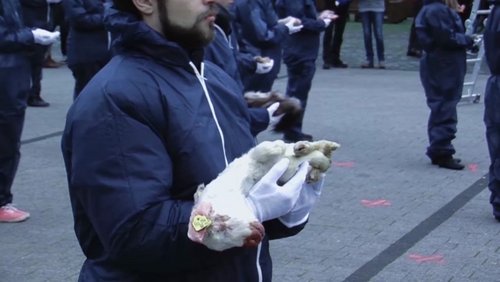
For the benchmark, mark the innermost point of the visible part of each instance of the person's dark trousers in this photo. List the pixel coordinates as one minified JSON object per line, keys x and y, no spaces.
{"x":300,"y":78}
{"x":36,"y":63}
{"x":83,"y":73}
{"x":15,"y":83}
{"x":442,"y":124}
{"x":492,"y":123}
{"x":334,"y":35}
{"x":58,"y":18}
{"x":414,"y":48}
{"x":373,"y":21}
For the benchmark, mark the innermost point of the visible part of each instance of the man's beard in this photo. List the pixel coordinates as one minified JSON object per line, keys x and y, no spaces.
{"x":192,"y":38}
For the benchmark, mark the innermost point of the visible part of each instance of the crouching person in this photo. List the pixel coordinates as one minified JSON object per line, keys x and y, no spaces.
{"x":147,"y":129}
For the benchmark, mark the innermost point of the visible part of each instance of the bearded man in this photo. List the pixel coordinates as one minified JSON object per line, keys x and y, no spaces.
{"x":152,"y":125}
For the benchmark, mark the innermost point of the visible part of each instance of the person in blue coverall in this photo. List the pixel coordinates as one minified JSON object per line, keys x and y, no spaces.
{"x":492,"y":103}
{"x":150,"y":127}
{"x":88,"y":41}
{"x":262,"y":34}
{"x":224,"y":52}
{"x":300,"y":51}
{"x":442,"y":71}
{"x":16,"y":41}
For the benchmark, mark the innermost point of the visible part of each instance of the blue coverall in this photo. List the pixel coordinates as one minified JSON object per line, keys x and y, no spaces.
{"x":15,"y":41}
{"x":300,"y":51}
{"x":442,"y":70}
{"x":492,"y":104}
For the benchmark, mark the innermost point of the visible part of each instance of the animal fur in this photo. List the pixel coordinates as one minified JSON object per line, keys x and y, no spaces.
{"x":289,"y":106}
{"x":227,"y":220}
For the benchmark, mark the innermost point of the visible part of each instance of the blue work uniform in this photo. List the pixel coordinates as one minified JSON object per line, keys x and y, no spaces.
{"x":442,"y":70}
{"x":492,"y":103}
{"x":300,"y":51}
{"x":88,"y":40}
{"x":16,"y":41}
{"x":148,"y":128}
{"x":261,"y":35}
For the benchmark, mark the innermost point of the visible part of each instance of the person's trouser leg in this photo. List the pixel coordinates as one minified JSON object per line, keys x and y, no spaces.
{"x":367,"y":35}
{"x":339,"y":28}
{"x":327,"y":44}
{"x":378,"y":27}
{"x":36,"y":61}
{"x":492,"y":123}
{"x":300,"y":78}
{"x":15,"y":83}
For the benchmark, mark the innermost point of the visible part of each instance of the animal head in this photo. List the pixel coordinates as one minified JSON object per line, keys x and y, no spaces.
{"x":223,"y":222}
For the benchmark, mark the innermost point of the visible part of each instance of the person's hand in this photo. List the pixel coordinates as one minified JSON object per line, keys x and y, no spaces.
{"x":327,"y":16}
{"x":273,"y":120}
{"x":45,"y":37}
{"x":269,"y":200}
{"x":293,"y":27}
{"x":264,"y":65}
{"x":308,"y":197}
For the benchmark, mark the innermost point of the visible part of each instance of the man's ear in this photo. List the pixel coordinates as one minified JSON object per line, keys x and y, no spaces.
{"x":146,"y":7}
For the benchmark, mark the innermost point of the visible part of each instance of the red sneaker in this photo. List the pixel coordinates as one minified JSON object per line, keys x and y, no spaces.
{"x":9,"y":213}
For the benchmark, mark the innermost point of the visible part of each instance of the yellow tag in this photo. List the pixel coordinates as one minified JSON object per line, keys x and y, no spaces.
{"x":201,"y":222}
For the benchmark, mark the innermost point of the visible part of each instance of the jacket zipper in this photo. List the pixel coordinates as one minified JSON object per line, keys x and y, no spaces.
{"x":202,"y":79}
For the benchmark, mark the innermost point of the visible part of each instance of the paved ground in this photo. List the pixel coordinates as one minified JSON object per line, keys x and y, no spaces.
{"x":386,"y":213}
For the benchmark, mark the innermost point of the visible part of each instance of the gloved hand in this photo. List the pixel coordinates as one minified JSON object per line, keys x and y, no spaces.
{"x":45,"y":37}
{"x":273,"y":120}
{"x":269,"y":200}
{"x":292,"y":27}
{"x":308,"y":197}
{"x":327,"y":21}
{"x":265,"y":66}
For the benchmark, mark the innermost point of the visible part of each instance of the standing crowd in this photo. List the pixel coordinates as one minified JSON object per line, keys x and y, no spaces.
{"x":159,"y":109}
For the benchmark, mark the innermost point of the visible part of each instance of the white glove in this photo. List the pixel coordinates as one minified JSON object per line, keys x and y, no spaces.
{"x":292,"y":28}
{"x":45,"y":37}
{"x":264,"y":67}
{"x":327,"y":21}
{"x":273,"y":120}
{"x":269,"y":200}
{"x":300,"y":212}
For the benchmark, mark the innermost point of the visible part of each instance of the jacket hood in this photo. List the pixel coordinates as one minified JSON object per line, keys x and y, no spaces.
{"x":131,"y":34}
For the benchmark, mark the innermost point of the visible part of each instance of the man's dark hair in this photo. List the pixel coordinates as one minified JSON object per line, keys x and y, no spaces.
{"x":126,"y":6}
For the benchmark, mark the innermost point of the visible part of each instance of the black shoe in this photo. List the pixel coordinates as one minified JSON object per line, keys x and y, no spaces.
{"x":301,"y":137}
{"x":448,"y":162}
{"x":326,"y":66}
{"x":37,"y":102}
{"x":339,"y":64}
{"x":434,"y":161}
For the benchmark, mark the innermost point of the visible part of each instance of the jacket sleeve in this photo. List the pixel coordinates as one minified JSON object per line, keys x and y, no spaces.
{"x":14,"y":40}
{"x":297,"y":9}
{"x":259,"y":120}
{"x":277,"y":230}
{"x":246,"y":62}
{"x":121,"y":175}
{"x":253,"y":24}
{"x":437,"y":30}
{"x":82,"y":19}
{"x":34,"y":3}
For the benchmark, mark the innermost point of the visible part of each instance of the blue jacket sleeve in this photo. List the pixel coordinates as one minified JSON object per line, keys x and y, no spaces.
{"x":121,"y":175}
{"x":277,"y":230}
{"x":83,"y":19}
{"x":252,"y":20}
{"x":14,"y":40}
{"x":437,"y":30}
{"x":259,"y":120}
{"x":299,"y":9}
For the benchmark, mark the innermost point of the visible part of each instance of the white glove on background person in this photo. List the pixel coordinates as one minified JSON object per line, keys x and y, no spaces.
{"x":292,"y":28}
{"x":45,"y":37}
{"x":327,"y":21}
{"x":308,"y":197}
{"x":273,"y":120}
{"x":264,"y":67}
{"x":269,"y":200}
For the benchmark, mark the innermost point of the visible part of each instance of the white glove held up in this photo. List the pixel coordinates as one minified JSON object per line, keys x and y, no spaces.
{"x":264,"y":67}
{"x":327,"y":21}
{"x":273,"y":120}
{"x":308,"y":197}
{"x":269,"y":200}
{"x":45,"y":37}
{"x":292,"y":28}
